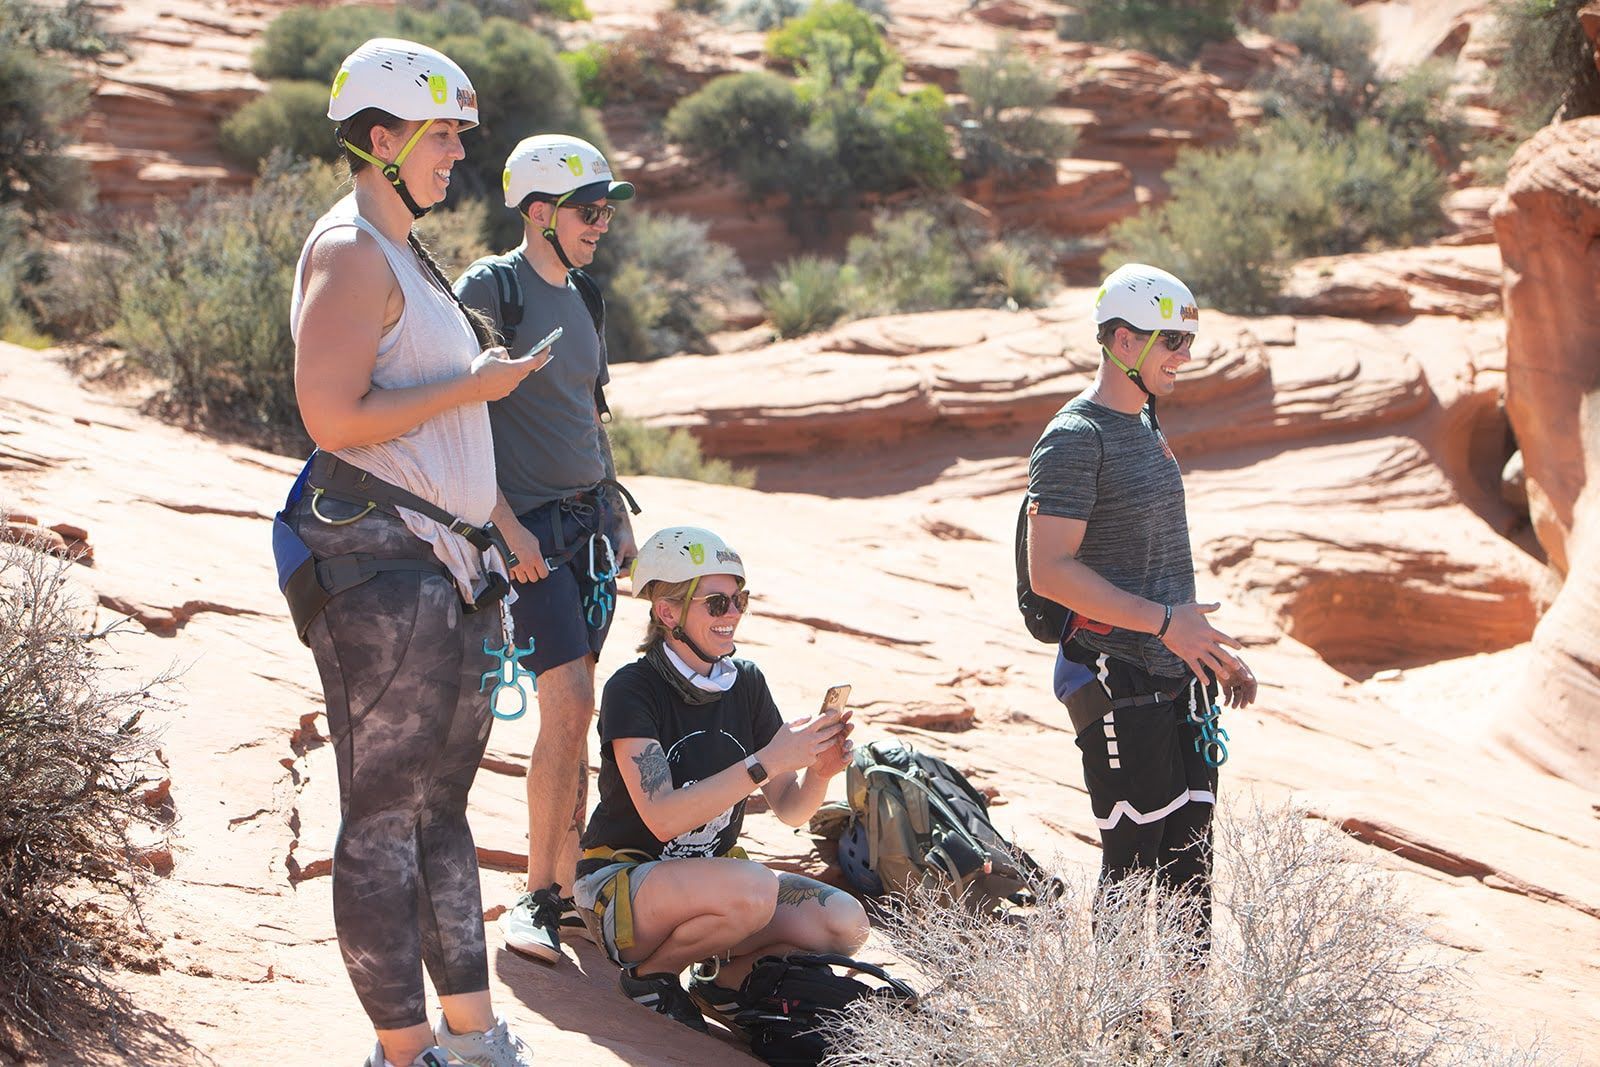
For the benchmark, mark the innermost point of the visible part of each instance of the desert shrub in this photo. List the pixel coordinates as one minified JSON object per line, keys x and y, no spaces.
{"x":749,"y":124}
{"x":206,"y":295}
{"x":1005,"y":132}
{"x":73,"y":759}
{"x":1238,"y":217}
{"x":808,"y":294}
{"x":1547,"y":67}
{"x":1331,"y":33}
{"x":842,"y":130}
{"x":639,"y":66}
{"x":698,"y":7}
{"x":1420,"y":115}
{"x":290,"y":115}
{"x":1012,"y":274}
{"x":308,"y":43}
{"x":765,"y":15}
{"x":40,"y":98}
{"x":642,"y":449}
{"x":1172,"y":29}
{"x":837,"y":36}
{"x":1316,"y":959}
{"x":911,"y":261}
{"x":18,"y":264}
{"x":666,"y":284}
{"x":516,"y":10}
{"x":454,"y":235}
{"x":75,"y":292}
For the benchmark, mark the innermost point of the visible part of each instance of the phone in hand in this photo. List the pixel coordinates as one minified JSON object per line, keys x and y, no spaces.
{"x":834,"y":699}
{"x":549,"y":339}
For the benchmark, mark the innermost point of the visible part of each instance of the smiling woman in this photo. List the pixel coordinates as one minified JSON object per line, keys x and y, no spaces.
{"x":687,"y":733}
{"x":392,"y":386}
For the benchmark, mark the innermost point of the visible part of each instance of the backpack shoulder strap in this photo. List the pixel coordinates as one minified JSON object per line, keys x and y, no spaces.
{"x":595,"y":301}
{"x":504,"y":272}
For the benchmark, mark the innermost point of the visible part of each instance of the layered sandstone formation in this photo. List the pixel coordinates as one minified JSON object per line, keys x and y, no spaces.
{"x":1547,"y":223}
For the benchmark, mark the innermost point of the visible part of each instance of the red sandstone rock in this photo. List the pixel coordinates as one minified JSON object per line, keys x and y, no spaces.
{"x":1424,"y":281}
{"x":1547,"y":224}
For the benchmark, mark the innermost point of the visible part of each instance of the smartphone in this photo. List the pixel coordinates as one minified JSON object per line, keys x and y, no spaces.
{"x":549,"y":339}
{"x":835,"y":698}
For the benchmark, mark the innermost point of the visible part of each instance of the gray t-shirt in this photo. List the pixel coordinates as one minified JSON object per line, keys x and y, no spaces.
{"x":546,"y":433}
{"x":1117,"y":473}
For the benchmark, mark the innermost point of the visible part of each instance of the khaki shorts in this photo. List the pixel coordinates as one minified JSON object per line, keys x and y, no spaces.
{"x":586,"y":893}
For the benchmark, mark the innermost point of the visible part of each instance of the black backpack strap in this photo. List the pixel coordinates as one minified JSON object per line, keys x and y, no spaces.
{"x":595,"y":301}
{"x":504,"y":272}
{"x":839,"y":960}
{"x":333,"y":477}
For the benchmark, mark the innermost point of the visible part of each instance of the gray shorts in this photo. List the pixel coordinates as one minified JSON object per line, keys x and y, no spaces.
{"x":586,"y":893}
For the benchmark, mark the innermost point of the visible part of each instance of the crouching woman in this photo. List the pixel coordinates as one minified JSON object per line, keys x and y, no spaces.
{"x":687,"y":733}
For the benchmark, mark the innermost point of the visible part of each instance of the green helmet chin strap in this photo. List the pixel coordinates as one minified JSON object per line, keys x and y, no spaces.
{"x":1133,"y":371}
{"x":549,"y":233}
{"x":392,"y":170}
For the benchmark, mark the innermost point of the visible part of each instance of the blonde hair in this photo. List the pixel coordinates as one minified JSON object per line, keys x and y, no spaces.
{"x":656,"y":631}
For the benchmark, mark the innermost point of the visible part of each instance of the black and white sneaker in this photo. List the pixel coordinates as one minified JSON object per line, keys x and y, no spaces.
{"x":661,"y":993}
{"x":530,"y":927}
{"x":719,"y":1002}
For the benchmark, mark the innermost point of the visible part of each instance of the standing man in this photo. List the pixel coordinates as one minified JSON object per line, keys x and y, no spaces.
{"x":555,"y":468}
{"x":1139,"y":666}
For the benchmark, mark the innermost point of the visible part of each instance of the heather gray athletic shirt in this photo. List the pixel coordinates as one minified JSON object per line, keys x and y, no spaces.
{"x":1116,"y":472}
{"x":546,"y":436}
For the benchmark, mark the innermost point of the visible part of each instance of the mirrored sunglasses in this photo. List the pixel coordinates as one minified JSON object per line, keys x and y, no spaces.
{"x":1175,"y":339}
{"x":594,"y":214}
{"x":717,"y":604}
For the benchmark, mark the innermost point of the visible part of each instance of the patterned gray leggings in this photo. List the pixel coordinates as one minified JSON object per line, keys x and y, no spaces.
{"x":400,"y":663}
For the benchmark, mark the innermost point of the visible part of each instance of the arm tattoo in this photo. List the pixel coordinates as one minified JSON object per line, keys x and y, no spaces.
{"x":794,"y":890}
{"x":654,"y":771}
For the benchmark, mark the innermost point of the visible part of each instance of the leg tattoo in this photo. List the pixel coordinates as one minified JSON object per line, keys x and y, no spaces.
{"x":794,"y":890}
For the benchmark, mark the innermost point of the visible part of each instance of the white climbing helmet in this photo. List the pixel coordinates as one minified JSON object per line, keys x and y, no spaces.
{"x":1148,"y":299}
{"x":407,"y":80}
{"x":682,"y":553}
{"x":564,"y":168}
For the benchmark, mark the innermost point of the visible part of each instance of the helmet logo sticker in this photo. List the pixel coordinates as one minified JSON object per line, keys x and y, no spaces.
{"x":697,"y":552}
{"x":725,"y":555}
{"x":575,"y":165}
{"x":467,"y":98}
{"x":437,"y":88}
{"x":1189,"y":313}
{"x":1165,"y":303}
{"x":338,"y":82}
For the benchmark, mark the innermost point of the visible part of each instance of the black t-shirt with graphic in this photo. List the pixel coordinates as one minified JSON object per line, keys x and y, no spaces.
{"x":699,"y":740}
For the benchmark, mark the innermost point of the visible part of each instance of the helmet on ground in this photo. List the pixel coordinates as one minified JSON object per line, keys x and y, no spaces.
{"x":682,"y":554}
{"x":560,"y":168}
{"x":1148,"y":299}
{"x":402,"y":78}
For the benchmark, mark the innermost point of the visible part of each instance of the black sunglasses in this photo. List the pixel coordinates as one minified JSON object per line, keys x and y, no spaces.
{"x":594,"y":214}
{"x":1174,"y":340}
{"x":717,"y":604}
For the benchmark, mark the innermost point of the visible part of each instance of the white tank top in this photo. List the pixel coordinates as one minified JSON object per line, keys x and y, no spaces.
{"x":449,"y":459}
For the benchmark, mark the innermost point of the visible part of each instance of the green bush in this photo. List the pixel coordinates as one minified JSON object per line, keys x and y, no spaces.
{"x":206,"y":293}
{"x":909,"y":262}
{"x":454,"y":235}
{"x":1547,"y":67}
{"x":765,"y":15}
{"x":1420,"y":115}
{"x":517,"y":10}
{"x":809,"y":294}
{"x":1004,"y":132}
{"x":838,"y":40}
{"x":642,"y":449}
{"x":1238,"y":217}
{"x":308,"y":43}
{"x":746,"y":123}
{"x":41,"y":97}
{"x":638,"y":66}
{"x":665,"y":285}
{"x":291,"y":115}
{"x":1329,"y":32}
{"x":1172,"y":29}
{"x":1011,"y":274}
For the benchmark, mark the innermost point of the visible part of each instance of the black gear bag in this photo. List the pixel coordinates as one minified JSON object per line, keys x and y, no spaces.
{"x":790,"y":1003}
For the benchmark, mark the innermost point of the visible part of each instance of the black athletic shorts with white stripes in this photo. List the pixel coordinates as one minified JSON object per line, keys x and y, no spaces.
{"x":1138,"y":734}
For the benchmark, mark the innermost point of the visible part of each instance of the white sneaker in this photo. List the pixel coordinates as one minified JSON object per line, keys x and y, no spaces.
{"x":433,"y":1056}
{"x":494,"y":1047}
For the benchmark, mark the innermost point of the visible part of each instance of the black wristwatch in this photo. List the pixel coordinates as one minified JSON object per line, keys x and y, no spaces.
{"x":758,"y":773}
